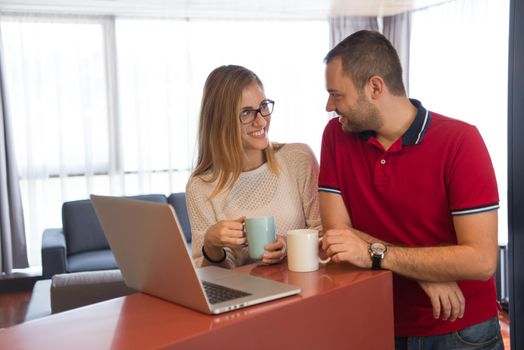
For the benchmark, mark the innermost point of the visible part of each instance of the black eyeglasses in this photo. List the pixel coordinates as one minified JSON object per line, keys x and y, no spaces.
{"x":247,"y":116}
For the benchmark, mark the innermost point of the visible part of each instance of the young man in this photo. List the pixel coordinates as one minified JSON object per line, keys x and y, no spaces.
{"x":411,"y":191}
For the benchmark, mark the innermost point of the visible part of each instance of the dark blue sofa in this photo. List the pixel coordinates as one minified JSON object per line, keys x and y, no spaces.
{"x":80,"y":245}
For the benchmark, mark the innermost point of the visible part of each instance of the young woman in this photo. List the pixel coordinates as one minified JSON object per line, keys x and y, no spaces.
{"x":240,"y":173}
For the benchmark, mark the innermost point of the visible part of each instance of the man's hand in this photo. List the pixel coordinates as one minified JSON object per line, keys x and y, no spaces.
{"x":345,"y":245}
{"x":446,"y":298}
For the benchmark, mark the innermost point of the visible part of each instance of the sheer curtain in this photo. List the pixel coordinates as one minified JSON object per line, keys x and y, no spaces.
{"x":58,"y":103}
{"x":398,"y":30}
{"x":162,"y":67}
{"x":341,"y":27}
{"x":288,"y":57}
{"x":458,"y":67}
{"x":110,"y":105}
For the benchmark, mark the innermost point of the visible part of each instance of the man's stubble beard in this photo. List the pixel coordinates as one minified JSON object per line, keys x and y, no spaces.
{"x":369,"y":117}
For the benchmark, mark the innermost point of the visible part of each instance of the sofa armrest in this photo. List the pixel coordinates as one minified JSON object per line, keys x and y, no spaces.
{"x":72,"y":290}
{"x":54,"y":252}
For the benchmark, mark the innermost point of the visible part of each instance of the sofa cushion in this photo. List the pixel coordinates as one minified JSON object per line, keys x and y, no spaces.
{"x":72,"y":290}
{"x":91,"y":261}
{"x":81,"y":226}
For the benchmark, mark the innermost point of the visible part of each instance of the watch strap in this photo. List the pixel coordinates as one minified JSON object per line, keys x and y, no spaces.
{"x":375,"y":262}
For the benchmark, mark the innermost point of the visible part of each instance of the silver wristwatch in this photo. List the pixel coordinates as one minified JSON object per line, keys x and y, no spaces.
{"x":377,"y":251}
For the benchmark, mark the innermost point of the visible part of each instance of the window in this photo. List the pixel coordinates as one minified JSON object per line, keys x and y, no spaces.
{"x":110,"y":105}
{"x":46,"y":71}
{"x":459,"y":67}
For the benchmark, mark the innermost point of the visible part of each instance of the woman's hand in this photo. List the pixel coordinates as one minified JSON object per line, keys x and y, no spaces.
{"x":446,"y":298}
{"x":275,"y":252}
{"x":225,"y":233}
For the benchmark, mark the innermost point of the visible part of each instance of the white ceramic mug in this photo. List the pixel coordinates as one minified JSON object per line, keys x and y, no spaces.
{"x":302,"y":250}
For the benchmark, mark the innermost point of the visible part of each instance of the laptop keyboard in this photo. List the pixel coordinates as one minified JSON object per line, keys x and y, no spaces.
{"x":217,"y":294}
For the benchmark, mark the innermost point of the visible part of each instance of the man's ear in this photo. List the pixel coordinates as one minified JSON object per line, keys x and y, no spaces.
{"x":376,"y":86}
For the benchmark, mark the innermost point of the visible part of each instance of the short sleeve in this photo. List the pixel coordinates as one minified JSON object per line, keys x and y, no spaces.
{"x":328,"y":179}
{"x":470,"y":176}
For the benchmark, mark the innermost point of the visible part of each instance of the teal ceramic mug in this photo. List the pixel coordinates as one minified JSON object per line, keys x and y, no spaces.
{"x":259,"y":232}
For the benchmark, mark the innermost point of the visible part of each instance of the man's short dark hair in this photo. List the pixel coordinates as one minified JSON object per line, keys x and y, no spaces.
{"x":367,"y":53}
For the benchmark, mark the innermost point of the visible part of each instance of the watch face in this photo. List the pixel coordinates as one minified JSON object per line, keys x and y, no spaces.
{"x":378,"y":248}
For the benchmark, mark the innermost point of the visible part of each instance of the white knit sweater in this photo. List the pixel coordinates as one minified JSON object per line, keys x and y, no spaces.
{"x":291,"y":197}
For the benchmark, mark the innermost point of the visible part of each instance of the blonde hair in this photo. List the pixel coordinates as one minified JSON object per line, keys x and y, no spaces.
{"x":220,"y":150}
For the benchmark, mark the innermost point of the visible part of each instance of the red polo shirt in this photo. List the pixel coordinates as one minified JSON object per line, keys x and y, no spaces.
{"x":408,"y":195}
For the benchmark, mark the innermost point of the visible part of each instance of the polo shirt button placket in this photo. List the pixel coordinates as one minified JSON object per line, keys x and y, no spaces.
{"x":381,"y":177}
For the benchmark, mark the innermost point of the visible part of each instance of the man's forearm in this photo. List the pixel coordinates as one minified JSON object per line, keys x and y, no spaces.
{"x":439,"y":264}
{"x":433,"y":264}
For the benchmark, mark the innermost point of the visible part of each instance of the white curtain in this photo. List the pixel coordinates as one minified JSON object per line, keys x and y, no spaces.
{"x":55,"y":80}
{"x":110,"y":106}
{"x":459,"y":67}
{"x":343,"y":26}
{"x":397,"y":29}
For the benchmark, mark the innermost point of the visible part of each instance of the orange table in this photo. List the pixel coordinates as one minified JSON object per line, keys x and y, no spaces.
{"x":340,"y":307}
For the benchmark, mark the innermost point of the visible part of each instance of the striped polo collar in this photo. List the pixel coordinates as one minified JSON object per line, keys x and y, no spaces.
{"x":415,"y":133}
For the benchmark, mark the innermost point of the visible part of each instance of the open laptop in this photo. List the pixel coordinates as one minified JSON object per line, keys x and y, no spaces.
{"x":151,"y":251}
